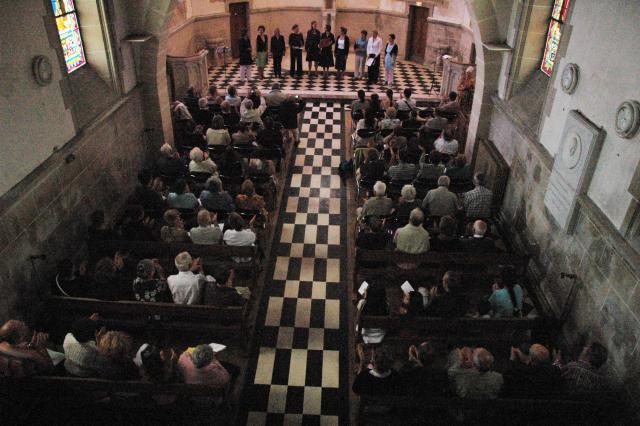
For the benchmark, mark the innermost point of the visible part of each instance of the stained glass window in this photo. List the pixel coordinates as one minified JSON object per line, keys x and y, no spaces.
{"x":558,"y":17}
{"x":69,"y":33}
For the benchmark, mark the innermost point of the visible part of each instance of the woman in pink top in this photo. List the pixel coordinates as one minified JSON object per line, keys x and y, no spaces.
{"x":200,"y":367}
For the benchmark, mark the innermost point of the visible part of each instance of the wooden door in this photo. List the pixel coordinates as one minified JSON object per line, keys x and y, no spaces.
{"x":417,"y":33}
{"x":238,"y":19}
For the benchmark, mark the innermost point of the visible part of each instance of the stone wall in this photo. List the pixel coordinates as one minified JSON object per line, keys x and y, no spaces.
{"x":46,"y":213}
{"x":607,"y":303}
{"x":447,"y":35}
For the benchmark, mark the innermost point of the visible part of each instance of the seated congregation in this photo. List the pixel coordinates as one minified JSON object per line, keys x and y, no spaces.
{"x":421,"y":211}
{"x":193,"y":233}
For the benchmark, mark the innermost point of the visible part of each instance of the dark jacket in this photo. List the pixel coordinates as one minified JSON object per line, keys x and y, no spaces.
{"x":215,"y":295}
{"x":479,"y":245}
{"x":446,"y":306}
{"x":531,"y":381}
{"x":367,"y":384}
{"x":296,"y":40}
{"x":289,"y":113}
{"x":170,"y":166}
{"x":277,"y":46}
{"x":373,"y":240}
{"x":347,"y":44}
{"x":420,"y":381}
{"x":262,"y":43}
{"x":244,"y":47}
{"x":372,"y":171}
{"x":453,"y":245}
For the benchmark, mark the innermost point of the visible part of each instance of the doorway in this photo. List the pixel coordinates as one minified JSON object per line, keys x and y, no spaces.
{"x":238,"y":19}
{"x":417,"y":42}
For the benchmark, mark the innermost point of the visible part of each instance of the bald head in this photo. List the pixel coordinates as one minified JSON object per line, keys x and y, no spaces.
{"x":14,"y":332}
{"x":482,"y":360}
{"x":538,"y":354}
{"x":479,"y":228}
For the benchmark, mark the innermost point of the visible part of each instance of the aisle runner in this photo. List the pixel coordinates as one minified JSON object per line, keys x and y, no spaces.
{"x":300,"y":359}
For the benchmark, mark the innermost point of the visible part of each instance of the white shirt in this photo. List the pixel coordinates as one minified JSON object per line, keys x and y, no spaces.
{"x":246,"y":237}
{"x":186,"y":287}
{"x":374,"y":47}
{"x":340,"y":43}
{"x":445,"y":147}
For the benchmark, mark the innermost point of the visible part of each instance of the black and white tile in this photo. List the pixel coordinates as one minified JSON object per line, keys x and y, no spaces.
{"x":299,"y":375}
{"x":423,"y":81}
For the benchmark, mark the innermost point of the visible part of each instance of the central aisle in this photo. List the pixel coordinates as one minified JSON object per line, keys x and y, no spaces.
{"x":298,"y":370}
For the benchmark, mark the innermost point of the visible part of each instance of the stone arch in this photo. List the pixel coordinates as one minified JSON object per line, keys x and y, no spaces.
{"x":152,"y":72}
{"x":485,"y":26}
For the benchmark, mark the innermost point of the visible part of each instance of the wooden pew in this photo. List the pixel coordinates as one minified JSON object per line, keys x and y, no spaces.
{"x":80,"y":385}
{"x":142,"y":316}
{"x":461,"y":330}
{"x":408,"y":410}
{"x":210,"y":254}
{"x":430,"y":264}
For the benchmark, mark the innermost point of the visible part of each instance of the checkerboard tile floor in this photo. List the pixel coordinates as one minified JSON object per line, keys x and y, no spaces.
{"x":423,"y":81}
{"x":300,"y":367}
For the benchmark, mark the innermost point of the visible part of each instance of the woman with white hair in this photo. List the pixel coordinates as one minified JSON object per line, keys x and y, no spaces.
{"x":249,"y":113}
{"x":406,"y":203}
{"x":186,"y":286}
{"x":379,"y":204}
{"x":169,"y":164}
{"x":201,"y":163}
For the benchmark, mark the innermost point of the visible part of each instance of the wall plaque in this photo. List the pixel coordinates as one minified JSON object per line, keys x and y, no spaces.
{"x":573,"y":167}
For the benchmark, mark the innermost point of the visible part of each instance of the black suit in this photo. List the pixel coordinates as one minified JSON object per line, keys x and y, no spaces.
{"x":297,"y":41}
{"x":479,"y":245}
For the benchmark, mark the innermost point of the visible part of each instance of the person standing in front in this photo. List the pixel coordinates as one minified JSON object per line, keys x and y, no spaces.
{"x":296,"y":43}
{"x":262,"y":44}
{"x":374,"y":47}
{"x":360,"y":49}
{"x":391,"y":54}
{"x":312,"y":47}
{"x":341,"y":52}
{"x":277,"y":52}
{"x":327,"y":40}
{"x":245,"y":56}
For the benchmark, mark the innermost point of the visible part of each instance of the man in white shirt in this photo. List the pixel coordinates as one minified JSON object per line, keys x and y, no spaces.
{"x":374,"y":47}
{"x":186,"y":286}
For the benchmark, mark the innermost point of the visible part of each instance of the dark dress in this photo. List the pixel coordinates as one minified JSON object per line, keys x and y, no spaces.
{"x":341,"y":54}
{"x":244,"y":47}
{"x":326,"y":53}
{"x":312,"y":45}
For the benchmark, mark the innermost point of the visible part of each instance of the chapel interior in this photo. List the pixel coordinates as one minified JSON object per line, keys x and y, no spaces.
{"x":437,"y":222}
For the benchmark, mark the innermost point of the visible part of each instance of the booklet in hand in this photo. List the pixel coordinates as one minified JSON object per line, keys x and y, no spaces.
{"x":217,"y":347}
{"x":406,"y":287}
{"x":363,"y":287}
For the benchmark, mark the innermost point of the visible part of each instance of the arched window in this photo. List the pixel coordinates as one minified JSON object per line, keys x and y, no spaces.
{"x":558,"y":17}
{"x":69,"y":33}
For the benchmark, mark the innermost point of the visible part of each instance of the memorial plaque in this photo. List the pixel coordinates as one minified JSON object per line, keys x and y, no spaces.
{"x":572,"y":168}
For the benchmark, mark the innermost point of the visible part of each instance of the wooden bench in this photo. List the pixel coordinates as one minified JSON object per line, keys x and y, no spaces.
{"x":461,"y":330}
{"x":430,"y":264}
{"x":408,"y":410}
{"x":210,"y":254}
{"x":142,"y":316}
